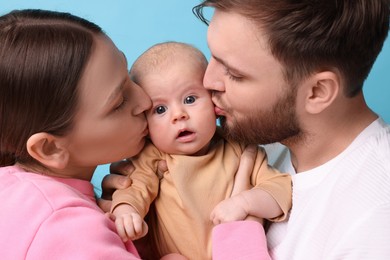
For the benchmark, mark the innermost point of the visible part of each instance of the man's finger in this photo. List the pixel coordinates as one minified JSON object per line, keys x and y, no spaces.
{"x":242,"y":178}
{"x":161,"y":168}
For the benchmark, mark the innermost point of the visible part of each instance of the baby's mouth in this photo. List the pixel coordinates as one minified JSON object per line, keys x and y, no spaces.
{"x":185,"y":133}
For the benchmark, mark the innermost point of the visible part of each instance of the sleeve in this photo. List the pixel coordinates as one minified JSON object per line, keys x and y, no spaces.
{"x":145,"y":182}
{"x":277,"y":184}
{"x":79,"y":233}
{"x":239,"y":240}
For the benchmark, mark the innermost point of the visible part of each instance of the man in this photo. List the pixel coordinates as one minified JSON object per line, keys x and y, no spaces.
{"x":292,"y":72}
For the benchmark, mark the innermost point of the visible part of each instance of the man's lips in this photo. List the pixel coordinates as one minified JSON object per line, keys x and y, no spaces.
{"x":219,"y":111}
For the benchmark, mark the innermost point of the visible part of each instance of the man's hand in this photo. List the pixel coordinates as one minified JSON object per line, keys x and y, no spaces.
{"x":244,"y":172}
{"x":231,"y":209}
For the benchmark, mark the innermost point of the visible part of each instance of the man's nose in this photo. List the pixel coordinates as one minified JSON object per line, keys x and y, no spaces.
{"x":213,"y":77}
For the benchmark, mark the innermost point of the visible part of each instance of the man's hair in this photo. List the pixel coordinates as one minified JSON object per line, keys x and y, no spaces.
{"x":307,"y":36}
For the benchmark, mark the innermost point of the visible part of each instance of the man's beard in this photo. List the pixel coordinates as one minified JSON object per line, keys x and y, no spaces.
{"x":279,"y":124}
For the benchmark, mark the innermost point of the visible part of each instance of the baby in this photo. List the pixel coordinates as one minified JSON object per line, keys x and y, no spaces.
{"x":194,"y":194}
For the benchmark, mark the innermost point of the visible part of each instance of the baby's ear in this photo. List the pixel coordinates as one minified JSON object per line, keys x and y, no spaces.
{"x":48,"y":150}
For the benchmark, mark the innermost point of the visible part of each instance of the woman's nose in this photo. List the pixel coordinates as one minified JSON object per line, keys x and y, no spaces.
{"x":143,"y":101}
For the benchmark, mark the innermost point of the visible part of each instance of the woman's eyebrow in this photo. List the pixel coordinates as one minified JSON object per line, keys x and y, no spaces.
{"x":117,"y":91}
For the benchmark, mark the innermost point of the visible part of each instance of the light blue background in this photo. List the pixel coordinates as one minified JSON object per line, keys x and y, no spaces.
{"x":135,"y":25}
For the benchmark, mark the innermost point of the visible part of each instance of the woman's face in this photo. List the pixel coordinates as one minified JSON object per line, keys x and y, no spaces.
{"x":110,"y":124}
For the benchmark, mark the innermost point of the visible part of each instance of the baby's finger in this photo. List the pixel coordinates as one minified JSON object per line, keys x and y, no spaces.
{"x":129,"y":228}
{"x":145,"y":229}
{"x":137,"y":223}
{"x":120,"y":229}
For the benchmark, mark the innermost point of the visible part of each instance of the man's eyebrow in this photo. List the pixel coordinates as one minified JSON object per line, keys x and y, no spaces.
{"x":225,"y":64}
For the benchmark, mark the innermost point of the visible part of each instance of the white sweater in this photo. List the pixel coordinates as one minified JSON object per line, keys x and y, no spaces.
{"x":341,"y":210}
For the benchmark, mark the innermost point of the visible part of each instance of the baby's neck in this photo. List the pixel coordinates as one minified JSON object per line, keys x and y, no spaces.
{"x":204,"y":150}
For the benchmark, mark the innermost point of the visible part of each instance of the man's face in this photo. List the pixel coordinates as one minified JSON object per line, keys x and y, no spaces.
{"x":249,"y":90}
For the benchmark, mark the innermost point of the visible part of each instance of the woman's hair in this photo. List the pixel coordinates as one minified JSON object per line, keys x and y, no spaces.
{"x":42,"y":58}
{"x":307,"y":36}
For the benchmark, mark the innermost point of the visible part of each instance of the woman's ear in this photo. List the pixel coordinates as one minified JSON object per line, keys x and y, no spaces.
{"x":48,"y":150}
{"x":322,"y":91}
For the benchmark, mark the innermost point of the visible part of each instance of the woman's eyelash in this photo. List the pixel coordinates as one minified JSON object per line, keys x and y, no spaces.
{"x":122,"y":104}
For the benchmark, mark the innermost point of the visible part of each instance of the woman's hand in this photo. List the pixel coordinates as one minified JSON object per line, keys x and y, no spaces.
{"x":120,"y":178}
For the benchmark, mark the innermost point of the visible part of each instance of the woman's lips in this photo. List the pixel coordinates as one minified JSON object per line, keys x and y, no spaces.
{"x":145,"y":132}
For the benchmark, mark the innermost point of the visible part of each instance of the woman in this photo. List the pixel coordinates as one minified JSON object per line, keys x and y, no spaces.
{"x":67,"y":105}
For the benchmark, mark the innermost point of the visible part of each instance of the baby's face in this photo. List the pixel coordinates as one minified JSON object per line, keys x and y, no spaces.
{"x":182,"y":117}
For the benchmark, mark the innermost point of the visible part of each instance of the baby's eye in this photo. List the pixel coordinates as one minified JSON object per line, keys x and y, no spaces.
{"x":160,"y":109}
{"x":189,"y":100}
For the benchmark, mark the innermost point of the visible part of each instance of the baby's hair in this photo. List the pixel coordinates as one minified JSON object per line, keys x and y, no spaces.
{"x":42,"y":58}
{"x":161,"y":55}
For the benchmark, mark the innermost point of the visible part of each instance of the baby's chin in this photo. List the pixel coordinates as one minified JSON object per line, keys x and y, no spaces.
{"x":187,"y":149}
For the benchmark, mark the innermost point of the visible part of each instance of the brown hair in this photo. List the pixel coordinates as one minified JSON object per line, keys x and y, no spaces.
{"x":312,"y":35}
{"x":42,"y":57}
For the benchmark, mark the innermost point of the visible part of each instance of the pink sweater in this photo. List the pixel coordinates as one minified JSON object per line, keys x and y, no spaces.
{"x":43,"y":217}
{"x":53,"y":218}
{"x":239,"y":240}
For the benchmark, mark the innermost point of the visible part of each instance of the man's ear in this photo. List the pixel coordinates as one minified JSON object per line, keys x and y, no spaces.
{"x":322,"y":90}
{"x":48,"y":150}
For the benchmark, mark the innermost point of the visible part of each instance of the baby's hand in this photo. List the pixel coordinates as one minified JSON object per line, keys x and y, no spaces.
{"x":230,"y":209}
{"x":129,"y":223}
